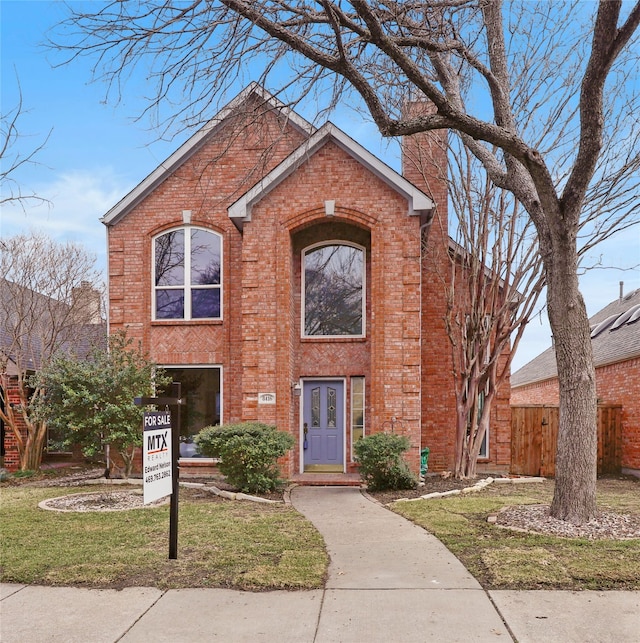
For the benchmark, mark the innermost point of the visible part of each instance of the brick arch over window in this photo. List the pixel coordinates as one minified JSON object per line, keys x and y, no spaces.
{"x":328,"y":232}
{"x":317,"y":217}
{"x":187,"y":274}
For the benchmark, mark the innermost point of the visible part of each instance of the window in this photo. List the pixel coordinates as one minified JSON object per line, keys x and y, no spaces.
{"x":188,"y":274}
{"x":202,"y":390}
{"x":484,"y":447}
{"x":333,"y":291}
{"x":357,"y":410}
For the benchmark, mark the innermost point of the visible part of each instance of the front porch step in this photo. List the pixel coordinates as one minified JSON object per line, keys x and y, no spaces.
{"x":327,"y":479}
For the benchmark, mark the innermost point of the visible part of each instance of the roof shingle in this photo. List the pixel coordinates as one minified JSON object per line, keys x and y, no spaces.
{"x":615,"y":337}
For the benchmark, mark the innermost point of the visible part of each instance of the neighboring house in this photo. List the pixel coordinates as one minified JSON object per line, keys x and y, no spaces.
{"x":615,"y":337}
{"x":32,"y":327}
{"x":278,"y":272}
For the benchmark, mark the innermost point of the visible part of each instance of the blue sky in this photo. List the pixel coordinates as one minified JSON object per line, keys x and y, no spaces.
{"x":96,"y":153}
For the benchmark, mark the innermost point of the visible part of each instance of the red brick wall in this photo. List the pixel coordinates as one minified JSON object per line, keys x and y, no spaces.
{"x":500,"y":427}
{"x":221,"y":170}
{"x":545,"y":392}
{"x":405,"y":357}
{"x":11,"y":460}
{"x":425,"y":164}
{"x":615,"y":384}
{"x":368,"y":213}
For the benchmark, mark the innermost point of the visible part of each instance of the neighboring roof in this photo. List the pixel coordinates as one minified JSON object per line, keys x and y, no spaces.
{"x":22,"y":330}
{"x":193,"y":144}
{"x":615,"y":337}
{"x":418,"y":202}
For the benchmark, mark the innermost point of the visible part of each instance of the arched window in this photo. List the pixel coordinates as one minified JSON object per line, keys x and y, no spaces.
{"x":187,"y":280}
{"x":333,"y":290}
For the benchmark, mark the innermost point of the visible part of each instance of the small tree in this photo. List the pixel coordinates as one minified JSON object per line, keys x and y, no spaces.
{"x":495,"y":281}
{"x":90,"y":401}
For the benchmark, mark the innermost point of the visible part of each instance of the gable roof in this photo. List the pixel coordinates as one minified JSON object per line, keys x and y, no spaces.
{"x":615,"y":337}
{"x":418,"y":201}
{"x":195,"y":142}
{"x":240,"y":211}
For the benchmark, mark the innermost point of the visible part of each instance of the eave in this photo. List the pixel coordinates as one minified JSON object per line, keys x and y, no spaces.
{"x":194,"y":143}
{"x":418,"y":202}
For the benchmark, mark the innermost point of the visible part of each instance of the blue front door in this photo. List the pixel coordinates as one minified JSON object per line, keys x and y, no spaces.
{"x":323,"y":425}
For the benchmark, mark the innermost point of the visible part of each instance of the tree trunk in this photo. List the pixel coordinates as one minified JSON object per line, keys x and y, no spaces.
{"x":461,"y":431}
{"x":576,"y":457}
{"x":31,"y":457}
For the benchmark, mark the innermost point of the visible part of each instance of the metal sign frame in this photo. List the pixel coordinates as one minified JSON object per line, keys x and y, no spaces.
{"x":174,"y":402}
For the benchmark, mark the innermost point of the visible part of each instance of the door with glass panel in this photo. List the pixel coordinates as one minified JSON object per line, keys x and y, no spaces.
{"x":323,"y":425}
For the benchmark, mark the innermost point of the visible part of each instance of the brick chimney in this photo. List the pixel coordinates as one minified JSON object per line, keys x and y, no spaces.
{"x":87,"y":304}
{"x":424,"y":159}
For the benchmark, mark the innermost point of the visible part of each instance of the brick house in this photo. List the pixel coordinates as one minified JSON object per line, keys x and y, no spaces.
{"x":310,"y":302}
{"x":33,"y":327}
{"x":615,"y":338}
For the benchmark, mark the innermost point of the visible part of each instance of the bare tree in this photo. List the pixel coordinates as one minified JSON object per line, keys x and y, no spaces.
{"x":485,"y":68}
{"x":495,"y":282}
{"x":11,"y":160}
{"x":48,"y":303}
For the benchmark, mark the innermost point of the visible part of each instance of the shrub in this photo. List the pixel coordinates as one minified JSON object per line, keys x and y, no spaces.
{"x":381,"y":463}
{"x":248,"y":453}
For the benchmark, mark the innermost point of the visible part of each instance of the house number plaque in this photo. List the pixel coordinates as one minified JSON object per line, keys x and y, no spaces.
{"x":266,"y":398}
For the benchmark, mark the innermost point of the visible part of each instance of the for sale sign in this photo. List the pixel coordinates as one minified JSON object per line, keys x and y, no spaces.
{"x":156,"y":455}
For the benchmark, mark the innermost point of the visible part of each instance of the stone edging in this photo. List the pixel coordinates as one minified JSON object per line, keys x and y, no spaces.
{"x":229,"y":495}
{"x":478,"y":486}
{"x":44,"y":504}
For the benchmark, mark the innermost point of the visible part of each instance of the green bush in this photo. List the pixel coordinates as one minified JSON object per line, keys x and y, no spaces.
{"x":381,"y":463}
{"x":248,"y":453}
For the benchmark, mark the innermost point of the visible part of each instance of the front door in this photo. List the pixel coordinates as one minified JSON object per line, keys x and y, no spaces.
{"x":323,"y":425}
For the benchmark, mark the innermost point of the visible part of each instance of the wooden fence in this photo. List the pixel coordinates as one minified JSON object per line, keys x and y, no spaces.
{"x":534,"y":433}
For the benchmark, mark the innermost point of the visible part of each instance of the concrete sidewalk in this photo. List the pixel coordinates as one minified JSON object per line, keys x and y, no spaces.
{"x":388,"y":581}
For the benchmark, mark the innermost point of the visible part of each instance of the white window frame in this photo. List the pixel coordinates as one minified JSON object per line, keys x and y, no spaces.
{"x":187,"y":286}
{"x":484,"y":453}
{"x":364,"y":408}
{"x":303,"y":299}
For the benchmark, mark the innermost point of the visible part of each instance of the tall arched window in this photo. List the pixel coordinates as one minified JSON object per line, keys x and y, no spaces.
{"x":333,"y":290}
{"x":187,"y":274}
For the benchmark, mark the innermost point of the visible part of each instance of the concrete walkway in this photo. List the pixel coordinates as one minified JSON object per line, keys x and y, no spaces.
{"x":388,"y":581}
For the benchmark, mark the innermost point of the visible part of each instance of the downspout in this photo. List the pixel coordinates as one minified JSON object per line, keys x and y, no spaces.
{"x":425,"y":226}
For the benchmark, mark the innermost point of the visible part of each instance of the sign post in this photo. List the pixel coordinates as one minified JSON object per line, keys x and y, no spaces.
{"x":163,"y":450}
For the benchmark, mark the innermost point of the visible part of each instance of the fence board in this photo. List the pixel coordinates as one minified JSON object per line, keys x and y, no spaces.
{"x":534,"y":435}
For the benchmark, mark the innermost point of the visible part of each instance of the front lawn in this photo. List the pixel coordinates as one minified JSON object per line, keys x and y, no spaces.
{"x":505,"y":559}
{"x":221,"y":543}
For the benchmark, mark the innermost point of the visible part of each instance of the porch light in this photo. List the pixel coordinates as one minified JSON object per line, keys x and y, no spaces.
{"x":297,"y":389}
